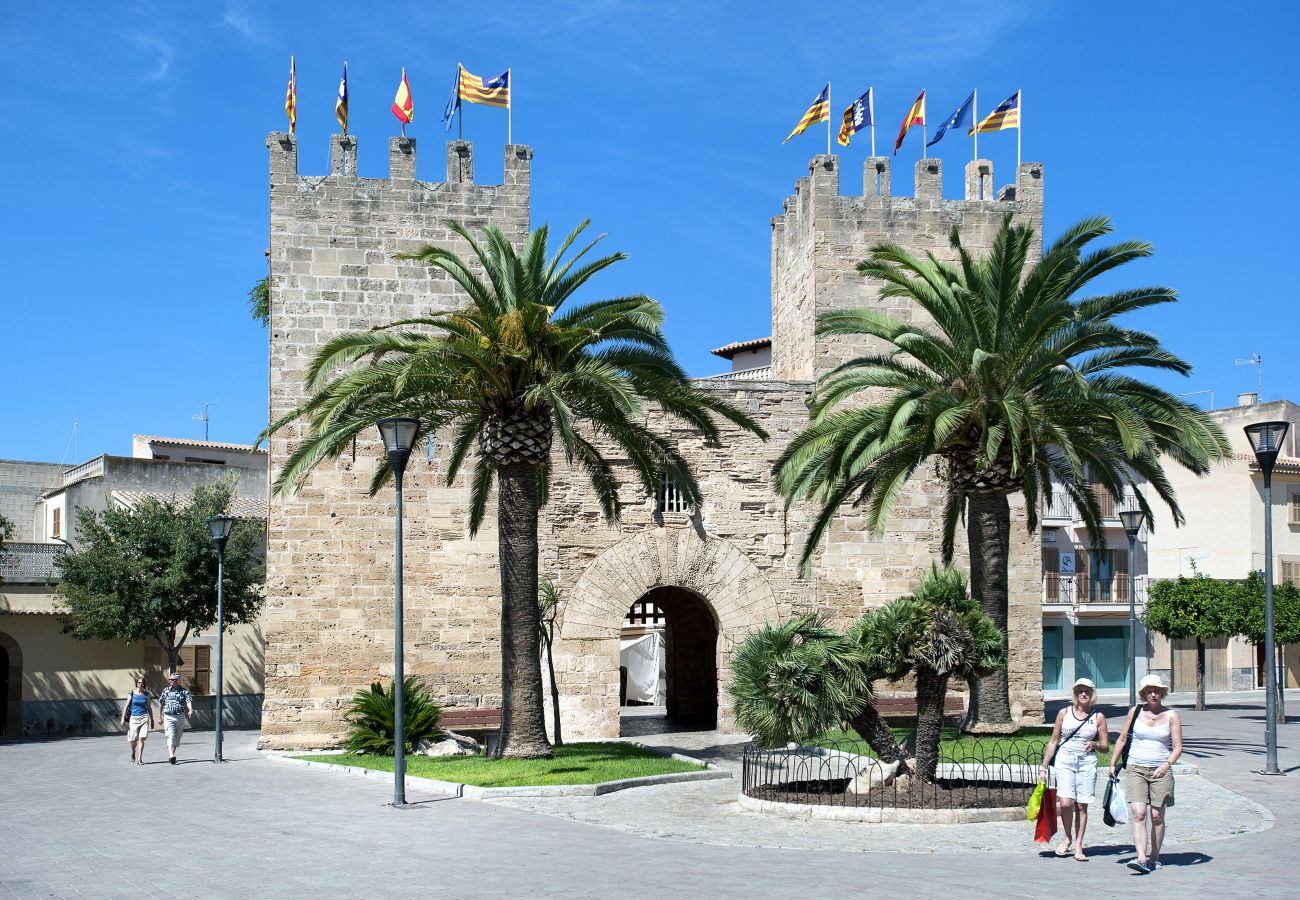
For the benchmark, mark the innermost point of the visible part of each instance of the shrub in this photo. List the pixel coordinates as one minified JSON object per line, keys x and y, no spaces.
{"x":370,"y":718}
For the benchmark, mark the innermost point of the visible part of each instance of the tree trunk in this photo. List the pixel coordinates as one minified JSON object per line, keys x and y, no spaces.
{"x":988,"y":533}
{"x":1279,"y":708}
{"x":1200,"y":674}
{"x":555,"y":688}
{"x":879,"y":737}
{"x":523,"y":724}
{"x":931,"y":688}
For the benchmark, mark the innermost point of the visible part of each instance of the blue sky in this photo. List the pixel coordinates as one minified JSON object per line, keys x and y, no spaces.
{"x":136,"y":211}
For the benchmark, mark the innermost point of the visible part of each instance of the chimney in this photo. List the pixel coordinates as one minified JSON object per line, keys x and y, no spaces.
{"x":1250,"y":398}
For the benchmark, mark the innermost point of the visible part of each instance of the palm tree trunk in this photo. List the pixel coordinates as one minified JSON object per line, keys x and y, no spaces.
{"x":523,"y":724}
{"x":1200,"y":674}
{"x":988,"y":533}
{"x":879,"y":737}
{"x":931,"y":688}
{"x":555,"y":688}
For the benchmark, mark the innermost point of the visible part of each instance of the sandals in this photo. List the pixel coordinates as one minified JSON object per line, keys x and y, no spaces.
{"x":1139,"y":866}
{"x":1062,"y":853}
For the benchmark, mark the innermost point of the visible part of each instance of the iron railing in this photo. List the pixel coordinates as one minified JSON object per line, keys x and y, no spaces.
{"x":1072,"y":590}
{"x":760,"y":373}
{"x":23,"y":563}
{"x":972,"y":774}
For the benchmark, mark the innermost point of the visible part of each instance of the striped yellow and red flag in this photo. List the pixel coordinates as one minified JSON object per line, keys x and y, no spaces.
{"x":403,"y":107}
{"x":915,"y":116}
{"x":489,"y":92}
{"x":291,"y":97}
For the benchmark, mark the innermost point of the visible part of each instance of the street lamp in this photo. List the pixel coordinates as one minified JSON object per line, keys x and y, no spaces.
{"x":399,"y":438}
{"x":1132,"y":519}
{"x":1266,"y":440}
{"x":220,"y":527}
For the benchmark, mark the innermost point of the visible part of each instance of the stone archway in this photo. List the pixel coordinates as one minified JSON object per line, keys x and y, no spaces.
{"x":11,"y":687}
{"x":728,"y":584}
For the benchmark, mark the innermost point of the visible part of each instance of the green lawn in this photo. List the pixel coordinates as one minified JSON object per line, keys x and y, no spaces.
{"x":572,"y":764}
{"x":1026,"y":745}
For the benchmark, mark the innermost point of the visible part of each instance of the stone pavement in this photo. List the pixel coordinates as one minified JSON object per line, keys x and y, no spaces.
{"x":76,"y":818}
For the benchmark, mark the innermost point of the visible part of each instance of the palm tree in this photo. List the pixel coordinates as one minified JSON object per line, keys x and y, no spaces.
{"x":548,"y":610}
{"x":1017,"y":381}
{"x":937,"y":633}
{"x":505,"y":376}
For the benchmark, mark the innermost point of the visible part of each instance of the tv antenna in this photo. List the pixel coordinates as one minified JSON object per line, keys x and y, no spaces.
{"x":1258,"y":362}
{"x":204,"y":418}
{"x":73,"y":444}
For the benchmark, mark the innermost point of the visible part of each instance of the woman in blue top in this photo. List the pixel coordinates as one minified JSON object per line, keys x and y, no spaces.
{"x":139,"y":706}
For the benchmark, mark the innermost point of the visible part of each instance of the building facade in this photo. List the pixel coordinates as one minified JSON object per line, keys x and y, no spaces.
{"x":711,"y":574}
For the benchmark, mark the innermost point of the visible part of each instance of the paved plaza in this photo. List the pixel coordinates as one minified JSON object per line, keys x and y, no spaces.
{"x":77,"y":819}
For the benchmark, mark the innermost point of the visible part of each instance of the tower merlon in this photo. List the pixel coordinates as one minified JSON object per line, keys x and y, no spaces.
{"x":875,"y":176}
{"x":284,"y":155}
{"x":343,"y":154}
{"x":401,"y":159}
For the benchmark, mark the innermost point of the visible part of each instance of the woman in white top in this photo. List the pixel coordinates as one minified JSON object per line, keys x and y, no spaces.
{"x":1157,"y":742}
{"x":1078,"y":733}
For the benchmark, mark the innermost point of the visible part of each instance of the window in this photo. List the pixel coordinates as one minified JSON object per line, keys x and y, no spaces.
{"x":196,"y":668}
{"x":1290,"y":570}
{"x":670,"y":497}
{"x":644,"y":612}
{"x":1294,"y":518}
{"x":56,"y":529}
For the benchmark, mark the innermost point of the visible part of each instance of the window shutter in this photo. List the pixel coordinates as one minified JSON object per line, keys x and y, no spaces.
{"x":1120,"y":559}
{"x":1295,"y":509}
{"x":58,"y":522}
{"x":1051,"y":560}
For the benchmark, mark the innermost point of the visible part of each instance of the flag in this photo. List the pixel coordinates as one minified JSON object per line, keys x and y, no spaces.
{"x":492,"y":92}
{"x":1005,"y":115}
{"x":915,"y":116}
{"x":961,"y":117}
{"x":453,"y":102}
{"x":341,"y":104}
{"x":820,"y":111}
{"x":291,"y":97}
{"x":856,"y":117}
{"x":403,"y":108}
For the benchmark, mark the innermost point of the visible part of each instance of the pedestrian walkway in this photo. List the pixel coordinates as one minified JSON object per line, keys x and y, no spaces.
{"x":77,"y":819}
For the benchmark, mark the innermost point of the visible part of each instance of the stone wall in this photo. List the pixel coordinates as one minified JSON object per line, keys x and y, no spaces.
{"x":21,"y":486}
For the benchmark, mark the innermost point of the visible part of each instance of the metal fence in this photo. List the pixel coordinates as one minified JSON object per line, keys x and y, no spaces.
{"x":972,"y":774}
{"x":29,"y":563}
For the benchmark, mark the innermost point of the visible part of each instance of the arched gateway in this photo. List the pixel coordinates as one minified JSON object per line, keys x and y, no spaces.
{"x":712,"y":594}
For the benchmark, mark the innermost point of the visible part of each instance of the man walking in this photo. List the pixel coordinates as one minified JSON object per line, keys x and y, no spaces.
{"x":177,"y":706}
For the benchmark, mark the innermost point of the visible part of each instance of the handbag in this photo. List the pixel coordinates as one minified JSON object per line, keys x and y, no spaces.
{"x":1045,"y":829}
{"x":1115,"y":803}
{"x":1060,"y":744}
{"x":1035,"y":802}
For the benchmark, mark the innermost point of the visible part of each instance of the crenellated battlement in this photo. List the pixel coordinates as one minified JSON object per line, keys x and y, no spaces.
{"x":283,"y":149}
{"x":821,"y":235}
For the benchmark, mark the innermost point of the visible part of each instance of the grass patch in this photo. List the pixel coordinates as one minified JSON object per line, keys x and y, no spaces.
{"x":572,"y":764}
{"x":1025,"y":745}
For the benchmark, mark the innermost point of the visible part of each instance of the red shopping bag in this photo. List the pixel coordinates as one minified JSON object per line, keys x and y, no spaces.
{"x":1045,"y":828}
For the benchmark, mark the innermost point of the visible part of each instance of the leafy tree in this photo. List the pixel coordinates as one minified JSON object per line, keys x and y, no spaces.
{"x":151,"y":572}
{"x":259,"y":301}
{"x":1249,"y":620}
{"x":937,"y":633}
{"x":1196,"y":607}
{"x":1016,"y":379}
{"x":548,"y":609}
{"x":370,"y":716}
{"x":506,"y":376}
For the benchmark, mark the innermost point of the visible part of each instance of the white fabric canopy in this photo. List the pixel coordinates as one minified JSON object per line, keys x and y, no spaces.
{"x":640,"y":657}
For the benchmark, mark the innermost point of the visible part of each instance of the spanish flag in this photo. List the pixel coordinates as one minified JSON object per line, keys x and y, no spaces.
{"x":820,"y":111}
{"x":403,"y":108}
{"x":341,"y":104}
{"x":291,"y":97}
{"x":915,"y":116}
{"x":490,"y":92}
{"x":1005,"y":115}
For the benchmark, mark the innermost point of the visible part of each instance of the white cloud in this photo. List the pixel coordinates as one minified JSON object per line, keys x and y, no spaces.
{"x":239,"y":21}
{"x":161,"y":53}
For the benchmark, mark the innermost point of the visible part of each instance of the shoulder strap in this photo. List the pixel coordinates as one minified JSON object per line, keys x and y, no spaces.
{"x":1077,"y":729}
{"x":1128,"y":736}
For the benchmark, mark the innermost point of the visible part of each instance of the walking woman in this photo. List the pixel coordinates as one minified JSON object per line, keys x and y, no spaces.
{"x":139,"y":706}
{"x":1073,"y":762}
{"x":1156,"y":736}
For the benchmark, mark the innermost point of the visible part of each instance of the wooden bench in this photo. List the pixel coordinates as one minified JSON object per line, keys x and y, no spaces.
{"x":471,"y":721}
{"x":895,"y":709}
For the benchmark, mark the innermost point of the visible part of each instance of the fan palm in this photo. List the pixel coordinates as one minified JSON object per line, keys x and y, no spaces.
{"x":1018,"y":381}
{"x":505,"y":376}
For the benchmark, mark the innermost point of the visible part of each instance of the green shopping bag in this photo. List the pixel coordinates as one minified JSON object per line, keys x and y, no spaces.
{"x":1035,"y":802}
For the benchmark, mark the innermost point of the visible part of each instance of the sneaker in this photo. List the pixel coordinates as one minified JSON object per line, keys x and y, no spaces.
{"x":173,"y":760}
{"x":1156,"y":864}
{"x":1138,"y":866}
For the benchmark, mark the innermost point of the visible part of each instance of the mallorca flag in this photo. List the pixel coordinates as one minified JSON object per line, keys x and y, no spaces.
{"x":820,"y":111}
{"x":341,"y":105}
{"x":857,"y":117}
{"x":403,"y":108}
{"x":961,"y":117}
{"x":291,"y":97}
{"x":915,"y":116}
{"x":1006,"y":115}
{"x":492,"y":92}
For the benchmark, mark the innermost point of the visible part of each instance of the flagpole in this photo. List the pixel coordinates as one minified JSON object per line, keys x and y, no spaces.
{"x":871,"y":105}
{"x":460,"y":108}
{"x":828,"y":118}
{"x":1020,"y":124}
{"x":924,"y":137}
{"x":510,"y":102}
{"x":975,"y":119}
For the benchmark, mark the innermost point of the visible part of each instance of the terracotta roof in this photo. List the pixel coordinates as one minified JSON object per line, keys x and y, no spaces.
{"x":1286,"y":462}
{"x":732,"y":349}
{"x":215,"y":445}
{"x":240,"y":507}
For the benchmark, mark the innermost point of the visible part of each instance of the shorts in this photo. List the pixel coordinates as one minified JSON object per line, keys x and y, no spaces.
{"x":138,"y":729}
{"x":175,"y":727}
{"x":1140,"y":787}
{"x":1076,"y":776}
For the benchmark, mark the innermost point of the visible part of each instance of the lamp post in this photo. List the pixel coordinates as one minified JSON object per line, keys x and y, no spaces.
{"x":220,"y":527}
{"x":399,"y":438}
{"x":1132,"y":519}
{"x":1266,"y":440}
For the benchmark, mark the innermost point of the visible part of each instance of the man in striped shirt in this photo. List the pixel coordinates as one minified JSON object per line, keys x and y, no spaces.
{"x":177,"y":706}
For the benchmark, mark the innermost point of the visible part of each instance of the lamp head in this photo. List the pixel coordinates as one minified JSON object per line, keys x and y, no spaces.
{"x":1132,"y":519}
{"x":1266,"y":440}
{"x":220,"y":526}
{"x":399,"y":435}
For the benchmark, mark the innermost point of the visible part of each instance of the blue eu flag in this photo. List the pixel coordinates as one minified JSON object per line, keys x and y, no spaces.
{"x":962,"y":115}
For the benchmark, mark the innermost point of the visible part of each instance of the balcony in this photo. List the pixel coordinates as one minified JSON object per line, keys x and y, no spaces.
{"x":761,"y":373}
{"x":29,"y":563}
{"x":1077,"y":591}
{"x":1059,"y":509}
